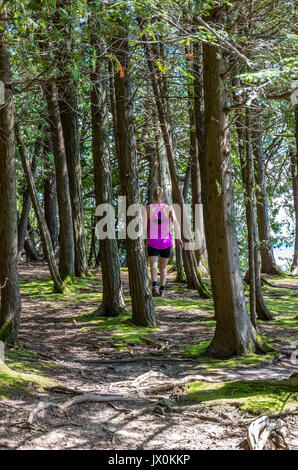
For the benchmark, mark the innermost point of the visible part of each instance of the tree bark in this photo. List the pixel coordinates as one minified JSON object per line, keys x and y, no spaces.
{"x":268,"y":263}
{"x":142,"y":305}
{"x":44,"y":232}
{"x":197,"y":147}
{"x":50,"y":196}
{"x":69,"y":121}
{"x":50,"y":207}
{"x":10,"y":307}
{"x":23,"y":223}
{"x":66,"y":252}
{"x":257,"y":303}
{"x":30,"y":249}
{"x":234,"y":334}
{"x":112,"y":302}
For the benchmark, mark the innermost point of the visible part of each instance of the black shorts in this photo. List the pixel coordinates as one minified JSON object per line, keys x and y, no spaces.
{"x":157,"y":252}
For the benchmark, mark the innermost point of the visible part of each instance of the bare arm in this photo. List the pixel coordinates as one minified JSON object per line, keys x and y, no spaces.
{"x":173,"y":218}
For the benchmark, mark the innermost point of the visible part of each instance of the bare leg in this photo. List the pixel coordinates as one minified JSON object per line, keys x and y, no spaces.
{"x":153,"y":261}
{"x":163,"y":271}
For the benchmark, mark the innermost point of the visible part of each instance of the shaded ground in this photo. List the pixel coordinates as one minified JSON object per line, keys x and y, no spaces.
{"x":60,"y":339}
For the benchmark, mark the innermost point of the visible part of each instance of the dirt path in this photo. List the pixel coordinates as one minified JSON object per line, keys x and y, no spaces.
{"x":87,"y":360}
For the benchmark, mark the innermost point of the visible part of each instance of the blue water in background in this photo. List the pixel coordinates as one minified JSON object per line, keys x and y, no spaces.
{"x":284,"y":256}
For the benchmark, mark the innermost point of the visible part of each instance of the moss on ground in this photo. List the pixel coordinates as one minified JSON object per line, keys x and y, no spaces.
{"x":255,"y":397}
{"x":25,"y":361}
{"x":124,"y":332}
{"x":198,"y":352}
{"x":81,"y":289}
{"x":12,"y":382}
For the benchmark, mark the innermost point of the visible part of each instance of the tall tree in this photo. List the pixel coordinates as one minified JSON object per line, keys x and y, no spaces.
{"x":112,"y":302}
{"x":66,"y":251}
{"x":142,"y":304}
{"x":70,"y":125}
{"x":268,"y":263}
{"x":23,"y":223}
{"x":234,"y":332}
{"x":50,"y":196}
{"x":10,"y":307}
{"x":197,"y":145}
{"x":44,"y":231}
{"x":258,"y":305}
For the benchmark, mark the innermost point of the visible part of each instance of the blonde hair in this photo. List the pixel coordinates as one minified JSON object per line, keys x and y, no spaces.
{"x":158,"y":193}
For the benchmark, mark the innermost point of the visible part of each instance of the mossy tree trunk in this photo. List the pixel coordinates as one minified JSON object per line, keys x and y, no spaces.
{"x":10,"y":307}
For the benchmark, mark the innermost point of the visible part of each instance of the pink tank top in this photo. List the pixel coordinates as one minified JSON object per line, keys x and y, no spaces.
{"x":159,"y":234}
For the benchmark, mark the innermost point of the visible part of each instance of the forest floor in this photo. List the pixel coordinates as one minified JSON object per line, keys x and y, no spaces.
{"x":60,"y":339}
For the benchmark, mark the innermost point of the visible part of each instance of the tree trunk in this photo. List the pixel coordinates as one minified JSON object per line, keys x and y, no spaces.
{"x":50,"y":197}
{"x":10,"y":307}
{"x":113,"y":302}
{"x":44,"y":232}
{"x":66,"y":253}
{"x":248,"y":171}
{"x":234,"y":334}
{"x":197,"y":146}
{"x":142,"y":305}
{"x":92,"y":251}
{"x":23,"y":224}
{"x":69,"y":121}
{"x":257,"y":303}
{"x":294,"y":166}
{"x":30,"y":249}
{"x":268,"y":263}
{"x":50,"y":207}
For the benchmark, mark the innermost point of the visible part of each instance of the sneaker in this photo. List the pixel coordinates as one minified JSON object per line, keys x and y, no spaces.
{"x":155,"y":291}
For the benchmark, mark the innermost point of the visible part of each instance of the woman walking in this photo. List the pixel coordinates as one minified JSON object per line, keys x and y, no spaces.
{"x":157,"y":218}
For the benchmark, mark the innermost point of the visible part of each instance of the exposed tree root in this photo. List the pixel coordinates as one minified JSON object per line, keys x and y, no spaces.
{"x":43,"y":406}
{"x":139,"y":358}
{"x":260,"y":430}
